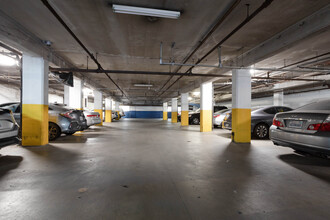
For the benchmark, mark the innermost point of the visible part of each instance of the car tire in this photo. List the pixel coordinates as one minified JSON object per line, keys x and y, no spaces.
{"x":54,"y":131}
{"x":195,"y":121}
{"x":261,"y":131}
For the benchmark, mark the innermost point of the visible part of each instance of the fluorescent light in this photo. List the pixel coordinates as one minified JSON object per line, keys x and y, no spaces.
{"x":7,"y":61}
{"x":196,"y":93}
{"x":252,"y":71}
{"x":124,"y":9}
{"x":143,"y":85}
{"x":189,"y":98}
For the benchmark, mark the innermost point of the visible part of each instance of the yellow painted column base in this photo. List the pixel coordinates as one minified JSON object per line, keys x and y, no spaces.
{"x":206,"y":120}
{"x":108,"y":116}
{"x":118,"y":115}
{"x":34,"y":125}
{"x":184,"y":118}
{"x":174,"y":117}
{"x":241,"y":125}
{"x":165,"y":116}
{"x":101,"y":116}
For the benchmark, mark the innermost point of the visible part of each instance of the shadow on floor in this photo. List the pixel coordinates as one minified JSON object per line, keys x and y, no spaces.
{"x":8,"y":142}
{"x":8,"y":163}
{"x":56,"y":155}
{"x":315,"y":166}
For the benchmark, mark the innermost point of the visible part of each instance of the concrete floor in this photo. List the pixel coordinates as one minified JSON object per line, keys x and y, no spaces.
{"x":150,"y":169}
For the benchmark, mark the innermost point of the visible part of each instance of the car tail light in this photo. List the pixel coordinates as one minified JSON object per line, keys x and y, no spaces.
{"x":67,"y":114}
{"x":277,"y":123}
{"x":325,"y":126}
{"x":215,"y":116}
{"x":92,"y":116}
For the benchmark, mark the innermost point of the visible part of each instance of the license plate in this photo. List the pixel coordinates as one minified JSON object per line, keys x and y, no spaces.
{"x":295,"y":124}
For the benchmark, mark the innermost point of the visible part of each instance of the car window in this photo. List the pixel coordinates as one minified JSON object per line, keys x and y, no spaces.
{"x":283,"y":109}
{"x":271,"y":111}
{"x":11,"y":107}
{"x":18,"y":109}
{"x":322,"y":105}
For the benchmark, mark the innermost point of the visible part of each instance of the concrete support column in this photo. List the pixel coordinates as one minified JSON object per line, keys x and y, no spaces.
{"x":174,"y":114}
{"x":184,"y":109}
{"x":34,"y":101}
{"x":108,"y":110}
{"x":98,"y":104}
{"x":278,"y":98}
{"x":73,"y":96}
{"x":117,"y":109}
{"x":165,"y":111}
{"x":241,"y":103}
{"x":206,"y":98}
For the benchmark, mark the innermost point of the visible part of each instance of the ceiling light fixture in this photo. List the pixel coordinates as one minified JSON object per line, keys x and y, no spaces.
{"x":7,"y":61}
{"x":143,"y":85}
{"x":124,"y":9}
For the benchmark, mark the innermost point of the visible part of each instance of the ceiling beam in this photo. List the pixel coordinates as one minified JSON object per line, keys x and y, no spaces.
{"x":20,"y":38}
{"x":309,"y":26}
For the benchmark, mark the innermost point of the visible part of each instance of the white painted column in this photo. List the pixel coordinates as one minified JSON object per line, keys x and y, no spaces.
{"x":165,"y":111}
{"x":241,"y":106}
{"x":73,"y":96}
{"x":108,"y":110}
{"x":184,"y":109}
{"x":278,"y":98}
{"x":174,"y":113}
{"x":34,"y":101}
{"x":98,"y":104}
{"x":206,"y":97}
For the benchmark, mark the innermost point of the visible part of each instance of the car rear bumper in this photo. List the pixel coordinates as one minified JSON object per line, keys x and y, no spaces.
{"x":308,"y":142}
{"x":8,"y":134}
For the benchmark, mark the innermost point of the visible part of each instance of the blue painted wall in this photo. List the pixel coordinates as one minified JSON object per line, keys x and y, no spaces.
{"x":143,"y":114}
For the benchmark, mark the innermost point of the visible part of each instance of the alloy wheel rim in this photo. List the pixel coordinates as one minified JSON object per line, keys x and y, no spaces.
{"x":261,"y":131}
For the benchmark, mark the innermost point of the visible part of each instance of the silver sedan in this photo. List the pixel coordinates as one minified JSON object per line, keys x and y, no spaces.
{"x":304,"y":129}
{"x":8,"y":125}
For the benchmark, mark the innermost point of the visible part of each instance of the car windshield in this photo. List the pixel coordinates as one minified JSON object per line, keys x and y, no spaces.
{"x":322,"y":105}
{"x":222,"y":111}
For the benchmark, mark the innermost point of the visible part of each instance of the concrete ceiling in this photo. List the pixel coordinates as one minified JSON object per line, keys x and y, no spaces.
{"x":130,"y":42}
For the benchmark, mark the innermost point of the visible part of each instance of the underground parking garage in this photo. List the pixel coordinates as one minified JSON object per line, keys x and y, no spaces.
{"x":164,"y":109}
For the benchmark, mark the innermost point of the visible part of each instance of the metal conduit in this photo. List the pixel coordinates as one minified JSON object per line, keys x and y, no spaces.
{"x":255,"y":13}
{"x":52,"y":10}
{"x":204,"y":38}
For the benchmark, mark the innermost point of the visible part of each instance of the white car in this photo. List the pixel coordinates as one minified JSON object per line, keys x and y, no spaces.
{"x":92,"y":118}
{"x":219,"y":116}
{"x":8,"y":126}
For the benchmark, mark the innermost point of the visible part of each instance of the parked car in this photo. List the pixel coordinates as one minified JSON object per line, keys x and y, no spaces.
{"x":61,"y":120}
{"x":194,"y":116}
{"x":219,"y":116}
{"x":261,"y":120}
{"x":305,"y":129}
{"x":92,"y":118}
{"x":8,"y":126}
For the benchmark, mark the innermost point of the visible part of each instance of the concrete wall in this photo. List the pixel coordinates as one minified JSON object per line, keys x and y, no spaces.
{"x":291,"y":100}
{"x":143,"y":111}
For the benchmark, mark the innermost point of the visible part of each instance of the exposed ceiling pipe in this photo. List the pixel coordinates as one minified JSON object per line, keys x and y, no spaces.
{"x":219,"y":21}
{"x":168,"y":74}
{"x":52,"y":10}
{"x":249,"y":18}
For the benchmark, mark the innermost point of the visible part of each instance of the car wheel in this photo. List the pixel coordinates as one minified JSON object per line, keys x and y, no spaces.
{"x":261,"y":131}
{"x":195,"y":121}
{"x":54,"y":131}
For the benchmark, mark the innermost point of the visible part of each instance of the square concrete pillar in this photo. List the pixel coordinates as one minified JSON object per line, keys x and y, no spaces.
{"x":241,"y":106}
{"x":278,"y":98}
{"x":34,"y":101}
{"x":174,"y":114}
{"x":73,"y":96}
{"x":98,"y":104}
{"x":184,"y":109}
{"x":165,"y":111}
{"x":206,"y":97}
{"x":108,"y":110}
